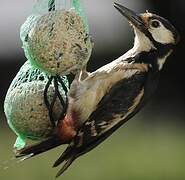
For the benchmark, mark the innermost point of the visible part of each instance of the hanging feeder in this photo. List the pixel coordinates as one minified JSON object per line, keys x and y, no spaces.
{"x":25,"y":105}
{"x":56,"y":38}
{"x":56,"y":43}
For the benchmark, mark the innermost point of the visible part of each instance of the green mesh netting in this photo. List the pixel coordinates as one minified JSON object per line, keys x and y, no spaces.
{"x":24,"y":105}
{"x":56,"y":37}
{"x":55,"y":40}
{"x":42,"y":7}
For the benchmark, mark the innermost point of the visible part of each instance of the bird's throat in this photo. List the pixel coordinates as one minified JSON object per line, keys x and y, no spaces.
{"x":142,"y":42}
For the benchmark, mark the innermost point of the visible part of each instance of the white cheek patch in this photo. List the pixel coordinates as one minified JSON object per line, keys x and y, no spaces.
{"x":162,"y":35}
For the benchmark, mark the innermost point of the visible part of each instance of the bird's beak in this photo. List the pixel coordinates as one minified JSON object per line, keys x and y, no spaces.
{"x":133,"y":18}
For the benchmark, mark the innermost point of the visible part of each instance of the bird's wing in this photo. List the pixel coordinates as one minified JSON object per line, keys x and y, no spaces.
{"x":121,"y":103}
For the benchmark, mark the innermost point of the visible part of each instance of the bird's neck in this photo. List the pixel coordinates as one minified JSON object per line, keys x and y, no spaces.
{"x":144,"y":51}
{"x":142,"y":43}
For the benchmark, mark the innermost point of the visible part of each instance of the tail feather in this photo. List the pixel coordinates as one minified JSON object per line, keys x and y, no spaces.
{"x":66,"y":166}
{"x":39,"y":148}
{"x":65,"y":156}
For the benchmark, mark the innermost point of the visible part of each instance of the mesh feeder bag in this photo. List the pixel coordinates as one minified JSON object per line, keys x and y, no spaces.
{"x":56,"y":37}
{"x":25,"y":108}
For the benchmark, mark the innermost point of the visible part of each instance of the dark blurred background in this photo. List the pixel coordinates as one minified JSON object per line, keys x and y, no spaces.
{"x":151,"y":146}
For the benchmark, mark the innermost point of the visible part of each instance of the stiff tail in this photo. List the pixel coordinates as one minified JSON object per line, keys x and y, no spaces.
{"x":68,"y":162}
{"x":68,"y":156}
{"x":39,"y":148}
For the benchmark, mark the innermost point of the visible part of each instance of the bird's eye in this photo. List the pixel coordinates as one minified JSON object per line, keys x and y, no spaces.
{"x":155,"y":24}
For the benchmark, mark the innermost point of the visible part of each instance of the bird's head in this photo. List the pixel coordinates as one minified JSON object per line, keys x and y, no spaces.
{"x":152,"y":31}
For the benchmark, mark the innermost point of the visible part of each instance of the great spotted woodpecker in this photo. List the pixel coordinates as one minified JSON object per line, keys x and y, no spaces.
{"x":102,"y":101}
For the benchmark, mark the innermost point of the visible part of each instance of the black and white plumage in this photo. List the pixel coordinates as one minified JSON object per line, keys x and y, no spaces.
{"x":104,"y":100}
{"x":123,"y":100}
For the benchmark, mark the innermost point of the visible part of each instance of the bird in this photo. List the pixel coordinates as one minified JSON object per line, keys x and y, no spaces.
{"x":102,"y":101}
